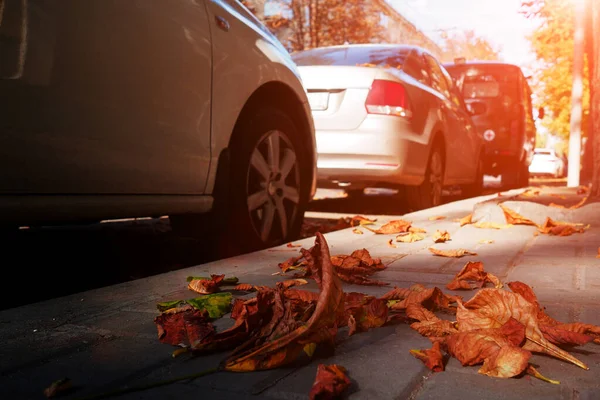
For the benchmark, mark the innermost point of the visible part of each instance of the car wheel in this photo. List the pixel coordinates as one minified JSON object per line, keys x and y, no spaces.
{"x":515,"y":178}
{"x":429,"y":193}
{"x":476,"y":188}
{"x":269,"y":182}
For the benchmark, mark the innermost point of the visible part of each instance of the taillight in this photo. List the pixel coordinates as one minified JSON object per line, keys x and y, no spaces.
{"x":388,"y":98}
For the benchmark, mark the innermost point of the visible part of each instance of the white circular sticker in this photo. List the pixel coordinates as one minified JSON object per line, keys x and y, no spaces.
{"x":489,"y":135}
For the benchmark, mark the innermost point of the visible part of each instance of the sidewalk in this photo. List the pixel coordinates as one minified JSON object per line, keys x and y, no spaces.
{"x":106,"y":339}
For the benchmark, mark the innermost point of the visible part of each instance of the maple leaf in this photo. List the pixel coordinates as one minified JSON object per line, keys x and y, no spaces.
{"x":330,"y":383}
{"x":244,"y":287}
{"x":497,"y":348}
{"x":410,"y":237}
{"x":396,"y":226}
{"x":473,"y":271}
{"x":441,"y":236}
{"x":456,"y":253}
{"x":491,"y":308}
{"x":514,"y":218}
{"x":432,"y":358}
{"x":287,"y":340}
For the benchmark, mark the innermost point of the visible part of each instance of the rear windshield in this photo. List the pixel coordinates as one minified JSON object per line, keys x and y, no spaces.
{"x":353,"y":56}
{"x":481,"y":82}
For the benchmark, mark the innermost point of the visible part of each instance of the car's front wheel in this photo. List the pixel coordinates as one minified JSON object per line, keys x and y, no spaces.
{"x":429,"y":193}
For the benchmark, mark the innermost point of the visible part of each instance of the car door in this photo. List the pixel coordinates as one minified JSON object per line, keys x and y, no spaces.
{"x":455,"y":165}
{"x":113,"y":97}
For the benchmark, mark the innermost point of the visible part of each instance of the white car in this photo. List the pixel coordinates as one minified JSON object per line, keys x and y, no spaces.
{"x":119,"y":109}
{"x":546,"y":163}
{"x":390,"y":116}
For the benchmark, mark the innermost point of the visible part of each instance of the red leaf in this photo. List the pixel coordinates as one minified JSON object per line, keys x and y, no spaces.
{"x":183,"y":326}
{"x":330,"y":383}
{"x":432,"y":358}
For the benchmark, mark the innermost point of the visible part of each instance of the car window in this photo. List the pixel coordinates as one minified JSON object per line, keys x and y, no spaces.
{"x":438,"y":81}
{"x":415,"y":67}
{"x":383,"y":56}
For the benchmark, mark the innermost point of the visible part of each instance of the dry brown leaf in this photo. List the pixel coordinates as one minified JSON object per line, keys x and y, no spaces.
{"x":432,"y":358}
{"x":292,"y":282}
{"x":473,"y":272}
{"x":441,"y":236}
{"x":486,"y":241}
{"x":560,"y":228}
{"x":430,"y":298}
{"x":491,"y":225}
{"x":428,"y":324}
{"x":560,"y":196}
{"x":293,"y":245}
{"x":437,"y":218}
{"x":357,"y":231}
{"x":410,"y":237}
{"x":414,"y":229}
{"x":456,"y":253}
{"x":330,"y":383}
{"x":492,"y":308}
{"x":466,"y":220}
{"x":391,"y":243}
{"x":206,"y":286}
{"x":514,"y":218}
{"x":396,"y":226}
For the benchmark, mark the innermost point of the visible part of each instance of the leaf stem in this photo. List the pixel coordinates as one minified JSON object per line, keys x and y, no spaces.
{"x":118,"y":392}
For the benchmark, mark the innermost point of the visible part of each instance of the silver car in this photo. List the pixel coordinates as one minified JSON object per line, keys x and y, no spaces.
{"x":390,"y":116}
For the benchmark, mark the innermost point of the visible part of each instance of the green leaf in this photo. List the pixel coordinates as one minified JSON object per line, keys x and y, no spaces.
{"x":227,"y":281}
{"x":217,"y":304}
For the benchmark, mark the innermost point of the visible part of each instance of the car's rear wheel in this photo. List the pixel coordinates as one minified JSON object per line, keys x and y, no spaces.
{"x":476,"y":188}
{"x":429,"y":193}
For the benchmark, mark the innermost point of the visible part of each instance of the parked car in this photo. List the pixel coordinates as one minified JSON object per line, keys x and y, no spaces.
{"x":502,"y":93}
{"x":546,"y":163}
{"x":389,"y":116}
{"x":117,"y":109}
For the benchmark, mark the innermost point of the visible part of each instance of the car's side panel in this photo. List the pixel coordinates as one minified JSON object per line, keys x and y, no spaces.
{"x":242,"y":66}
{"x":119,"y":104}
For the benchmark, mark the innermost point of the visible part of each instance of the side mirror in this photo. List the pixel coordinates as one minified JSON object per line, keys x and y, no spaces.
{"x":476,"y":108}
{"x":541,"y":113}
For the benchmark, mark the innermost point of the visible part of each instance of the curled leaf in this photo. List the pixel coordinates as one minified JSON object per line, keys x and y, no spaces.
{"x":292,"y":282}
{"x":473,"y":272}
{"x":535,"y":373}
{"x":410,"y":237}
{"x":206,"y":286}
{"x":514,"y":218}
{"x":360,"y":220}
{"x":414,"y":229}
{"x":466,"y":220}
{"x":292,"y":245}
{"x":560,"y":228}
{"x":330,"y":383}
{"x":357,"y":231}
{"x":432,"y":358}
{"x":396,"y":226}
{"x":456,"y":253}
{"x":216,"y":304}
{"x":441,"y":236}
{"x":183,"y":326}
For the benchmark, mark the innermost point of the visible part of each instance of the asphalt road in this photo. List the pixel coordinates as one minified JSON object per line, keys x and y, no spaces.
{"x":50,"y":262}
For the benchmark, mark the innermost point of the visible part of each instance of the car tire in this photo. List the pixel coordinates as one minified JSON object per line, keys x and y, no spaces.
{"x":429,"y":193}
{"x":267,"y":168}
{"x":475,"y":189}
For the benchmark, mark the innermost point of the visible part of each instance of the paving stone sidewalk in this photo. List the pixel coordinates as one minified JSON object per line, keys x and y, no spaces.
{"x":106,"y":339}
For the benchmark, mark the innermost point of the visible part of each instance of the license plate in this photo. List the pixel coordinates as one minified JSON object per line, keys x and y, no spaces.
{"x":318,"y":100}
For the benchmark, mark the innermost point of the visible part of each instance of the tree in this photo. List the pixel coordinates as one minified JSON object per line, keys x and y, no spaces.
{"x":467,"y":44}
{"x":552,"y":42}
{"x":305,"y":24}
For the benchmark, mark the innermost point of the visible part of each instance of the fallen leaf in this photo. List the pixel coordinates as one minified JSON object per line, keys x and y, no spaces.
{"x":286,"y":341}
{"x":491,"y":308}
{"x":58,"y":387}
{"x":292,"y":245}
{"x":414,"y":229}
{"x":473,"y":272}
{"x":330,"y":383}
{"x":514,"y":218}
{"x":244,"y":287}
{"x":292,"y":282}
{"x":430,"y":298}
{"x":560,"y":228}
{"x":456,"y":253}
{"x":357,"y":231}
{"x":206,"y":286}
{"x":391,"y":243}
{"x":497,"y":348}
{"x":441,"y":236}
{"x":556,"y":205}
{"x":530,"y":193}
{"x":183,"y":326}
{"x":560,"y":196}
{"x":216,"y":304}
{"x":428,"y":324}
{"x":491,"y":225}
{"x":437,"y":218}
{"x":360,"y":220}
{"x":231,"y":281}
{"x":432,"y":358}
{"x":534,"y":372}
{"x":466,"y":220}
{"x":486,"y":241}
{"x":410,"y":237}
{"x":396,"y":226}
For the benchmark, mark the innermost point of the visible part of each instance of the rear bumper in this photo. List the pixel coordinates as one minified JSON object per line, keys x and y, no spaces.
{"x":382,"y":151}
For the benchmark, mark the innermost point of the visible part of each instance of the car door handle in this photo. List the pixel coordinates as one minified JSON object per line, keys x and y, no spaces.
{"x":222,"y":23}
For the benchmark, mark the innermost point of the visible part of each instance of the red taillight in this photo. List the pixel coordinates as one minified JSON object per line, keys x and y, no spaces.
{"x":388,"y":98}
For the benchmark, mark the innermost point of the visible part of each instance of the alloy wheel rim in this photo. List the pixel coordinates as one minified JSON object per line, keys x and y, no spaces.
{"x":273,"y":186}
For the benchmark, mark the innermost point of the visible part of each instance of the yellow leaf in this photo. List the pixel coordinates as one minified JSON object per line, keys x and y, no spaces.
{"x":514,"y":218}
{"x":309,"y":349}
{"x":410,"y":237}
{"x":441,"y":236}
{"x":491,"y":225}
{"x":456,"y":253}
{"x":466,"y":220}
{"x":357,"y":231}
